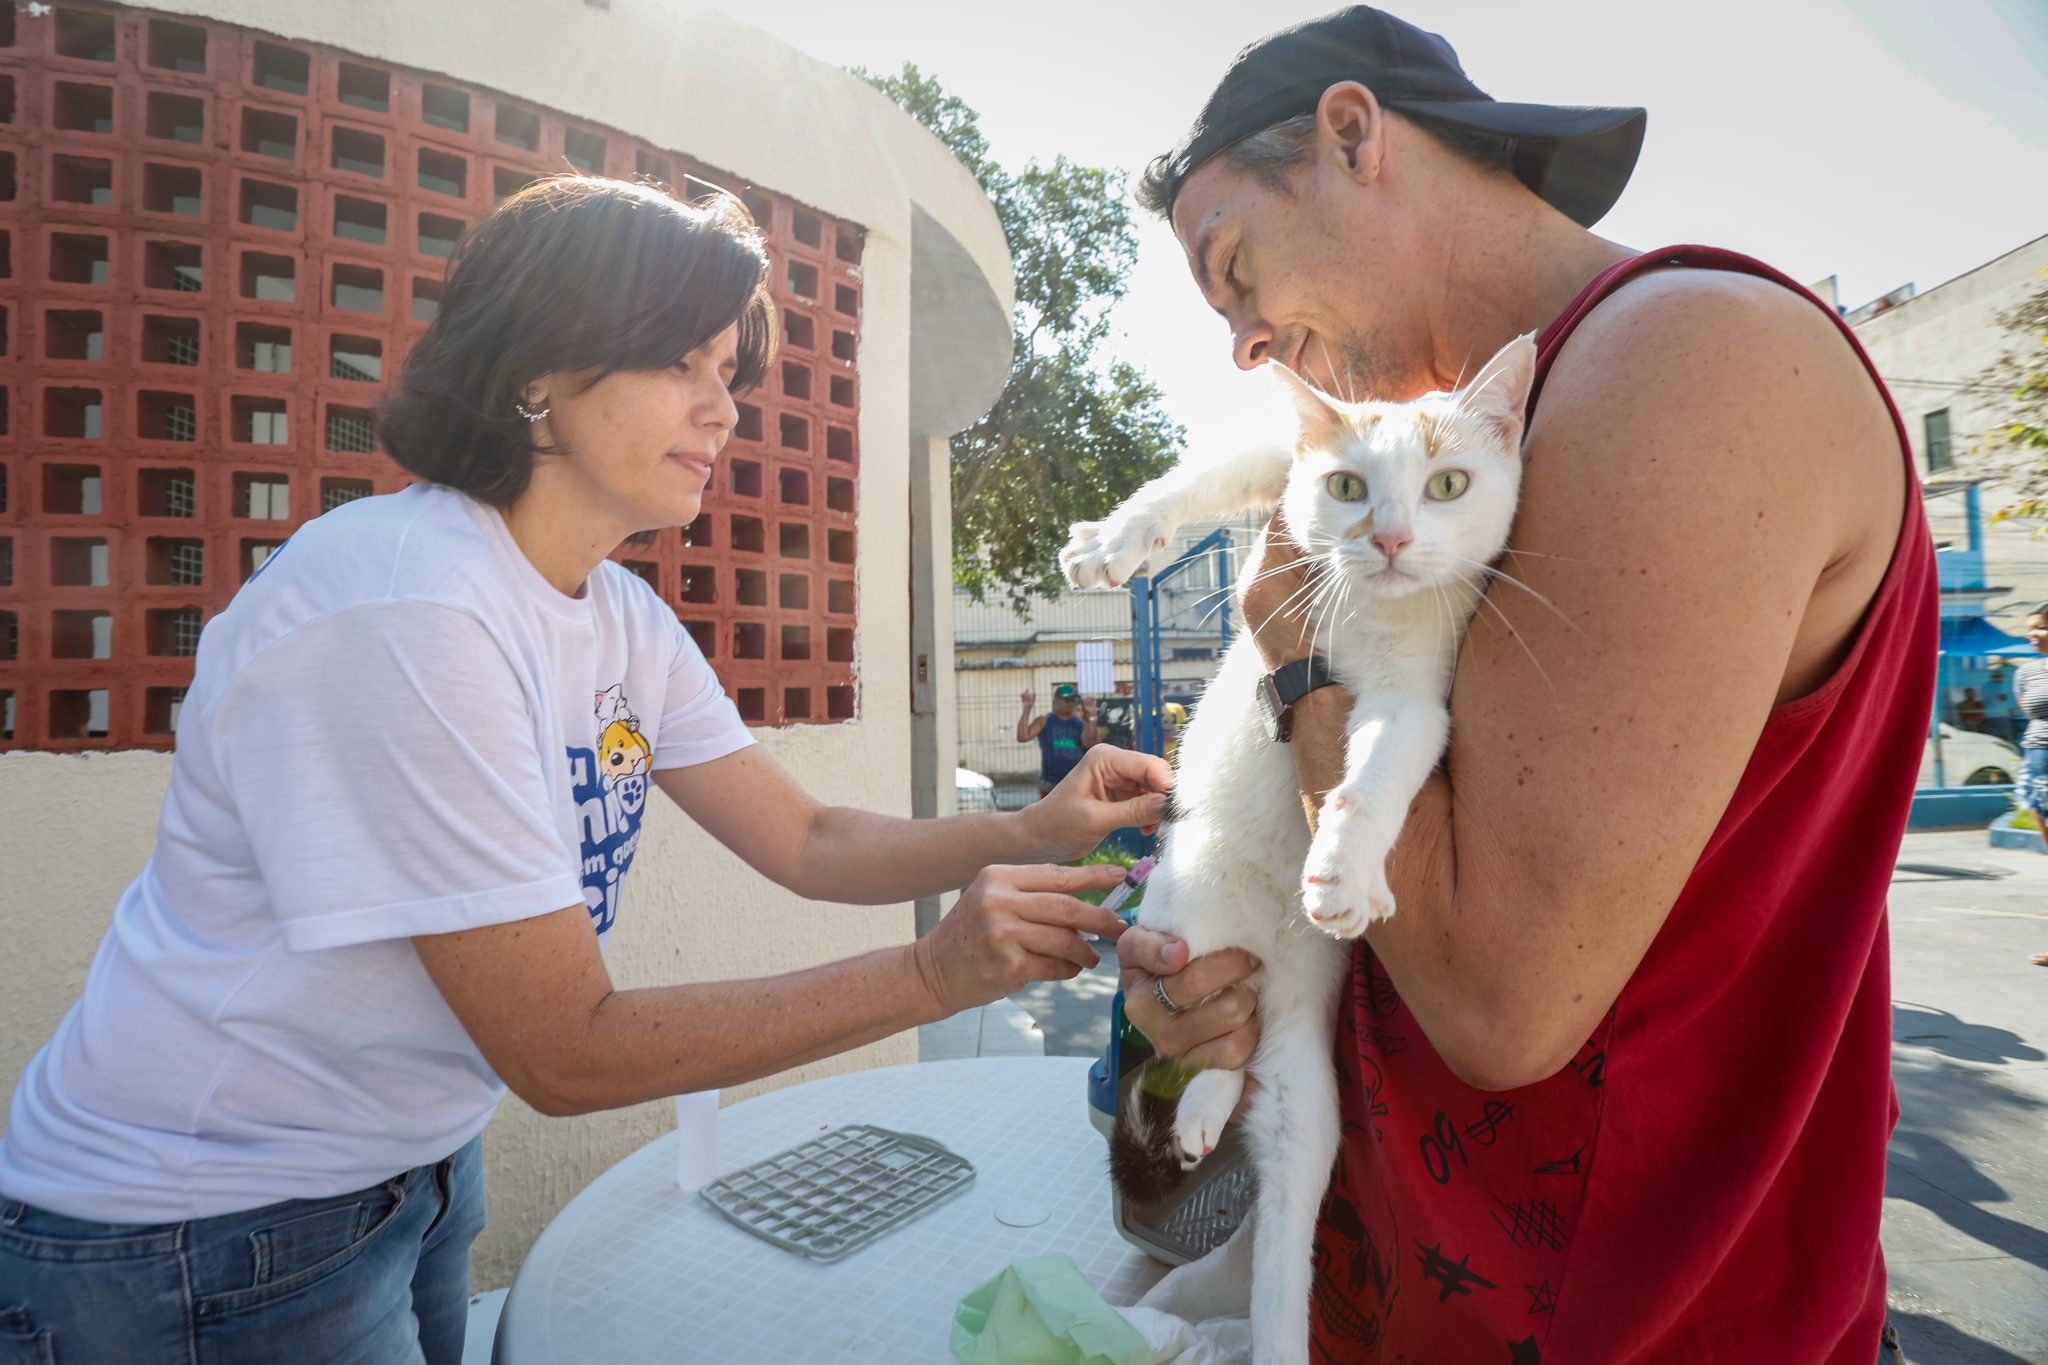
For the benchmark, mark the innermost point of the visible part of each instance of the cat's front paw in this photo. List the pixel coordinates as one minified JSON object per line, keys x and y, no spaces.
{"x":1344,"y":891}
{"x":1079,"y":559}
{"x":1107,"y":554}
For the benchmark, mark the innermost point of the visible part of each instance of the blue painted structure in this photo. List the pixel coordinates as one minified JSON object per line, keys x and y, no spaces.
{"x":1975,"y":654}
{"x":2003,"y":835}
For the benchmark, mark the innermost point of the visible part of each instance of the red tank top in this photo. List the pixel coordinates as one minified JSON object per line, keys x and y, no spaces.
{"x":1703,"y":1182}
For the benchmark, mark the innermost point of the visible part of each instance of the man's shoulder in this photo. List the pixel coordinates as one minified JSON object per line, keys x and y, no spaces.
{"x":1689,"y":326}
{"x":1745,"y":369}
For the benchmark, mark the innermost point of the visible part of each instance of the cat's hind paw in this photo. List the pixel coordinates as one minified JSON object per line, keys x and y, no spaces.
{"x":1205,"y":1109}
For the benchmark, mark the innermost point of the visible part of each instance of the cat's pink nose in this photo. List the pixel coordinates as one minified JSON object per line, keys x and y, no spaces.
{"x":1393,"y":542}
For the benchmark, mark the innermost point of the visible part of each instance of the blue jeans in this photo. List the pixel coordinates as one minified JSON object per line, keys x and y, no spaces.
{"x":380,"y":1276}
{"x":2033,"y":783}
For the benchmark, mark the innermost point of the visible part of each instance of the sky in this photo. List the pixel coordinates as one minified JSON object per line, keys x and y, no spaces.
{"x":1878,"y":141}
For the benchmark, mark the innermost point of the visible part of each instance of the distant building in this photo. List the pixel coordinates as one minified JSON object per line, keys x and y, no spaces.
{"x":1932,"y":346}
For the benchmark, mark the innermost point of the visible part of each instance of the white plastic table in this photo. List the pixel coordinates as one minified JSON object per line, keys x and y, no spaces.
{"x":634,"y":1270}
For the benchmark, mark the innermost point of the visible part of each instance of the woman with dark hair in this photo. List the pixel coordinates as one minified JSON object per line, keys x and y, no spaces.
{"x":409,"y":782}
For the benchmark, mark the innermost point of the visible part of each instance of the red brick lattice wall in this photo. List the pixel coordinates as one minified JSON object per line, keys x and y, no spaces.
{"x":215,"y":246}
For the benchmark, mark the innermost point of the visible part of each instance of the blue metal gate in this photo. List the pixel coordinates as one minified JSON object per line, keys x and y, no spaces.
{"x":1152,"y":617}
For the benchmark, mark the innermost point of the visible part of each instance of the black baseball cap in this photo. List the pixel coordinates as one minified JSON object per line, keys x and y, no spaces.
{"x":1576,"y":158}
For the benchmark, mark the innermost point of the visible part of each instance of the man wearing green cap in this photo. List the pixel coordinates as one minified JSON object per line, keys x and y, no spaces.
{"x":1615,"y":1080}
{"x":1062,"y":736}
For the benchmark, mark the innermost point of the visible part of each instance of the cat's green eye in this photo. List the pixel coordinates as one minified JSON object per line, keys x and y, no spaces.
{"x":1345,"y":486}
{"x":1449,"y":484}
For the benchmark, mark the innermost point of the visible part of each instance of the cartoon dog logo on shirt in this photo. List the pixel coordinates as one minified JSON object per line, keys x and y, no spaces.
{"x":622,"y":751}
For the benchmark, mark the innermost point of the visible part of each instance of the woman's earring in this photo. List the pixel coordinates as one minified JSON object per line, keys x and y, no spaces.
{"x":530,"y":414}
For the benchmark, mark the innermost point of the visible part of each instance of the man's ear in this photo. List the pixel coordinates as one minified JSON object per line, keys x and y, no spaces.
{"x":1351,"y":125}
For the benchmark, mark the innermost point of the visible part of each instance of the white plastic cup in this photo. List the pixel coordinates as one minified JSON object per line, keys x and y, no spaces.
{"x":696,"y":1140}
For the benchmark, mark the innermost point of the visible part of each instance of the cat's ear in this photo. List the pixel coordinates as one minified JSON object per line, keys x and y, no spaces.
{"x":1322,"y":426}
{"x":1499,"y":393}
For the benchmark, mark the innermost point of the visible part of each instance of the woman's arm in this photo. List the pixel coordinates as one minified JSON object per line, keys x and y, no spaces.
{"x":536,"y":999}
{"x":751,"y":805}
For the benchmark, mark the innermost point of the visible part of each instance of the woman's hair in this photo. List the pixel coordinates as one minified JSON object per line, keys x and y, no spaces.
{"x":575,"y":273}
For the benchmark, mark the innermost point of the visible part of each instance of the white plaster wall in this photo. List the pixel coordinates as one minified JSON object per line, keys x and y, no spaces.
{"x":75,"y":829}
{"x":1931,"y":351}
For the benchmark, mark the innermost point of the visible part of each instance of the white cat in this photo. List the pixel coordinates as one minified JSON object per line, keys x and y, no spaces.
{"x":1402,"y":509}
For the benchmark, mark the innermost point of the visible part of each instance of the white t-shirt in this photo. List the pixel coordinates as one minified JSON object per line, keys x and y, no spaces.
{"x":398,"y":727}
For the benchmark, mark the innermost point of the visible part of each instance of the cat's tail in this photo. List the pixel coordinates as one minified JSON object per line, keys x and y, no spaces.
{"x":1145,"y":1162}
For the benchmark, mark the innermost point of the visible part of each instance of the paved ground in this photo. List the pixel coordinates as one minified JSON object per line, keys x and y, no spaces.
{"x":1966,"y":1206}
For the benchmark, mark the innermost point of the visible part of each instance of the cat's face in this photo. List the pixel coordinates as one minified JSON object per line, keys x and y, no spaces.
{"x":1401,"y":498}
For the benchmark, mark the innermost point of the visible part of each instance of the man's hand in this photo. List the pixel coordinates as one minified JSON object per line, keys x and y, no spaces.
{"x":1216,"y":1023}
{"x":1111,"y":788}
{"x":1029,"y":698}
{"x":1011,"y":927}
{"x":1276,"y":597}
{"x":1088,"y":709}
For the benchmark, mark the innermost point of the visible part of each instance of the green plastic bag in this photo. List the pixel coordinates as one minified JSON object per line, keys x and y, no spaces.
{"x":1042,"y":1312}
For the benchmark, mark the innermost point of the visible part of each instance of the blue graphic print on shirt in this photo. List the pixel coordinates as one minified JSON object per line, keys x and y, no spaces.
{"x":609,"y":786}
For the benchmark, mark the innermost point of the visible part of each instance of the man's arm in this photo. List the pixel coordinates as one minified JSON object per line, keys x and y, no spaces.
{"x":1714,"y":490}
{"x":750,"y":803}
{"x":1027,"y":728}
{"x":1090,"y":736}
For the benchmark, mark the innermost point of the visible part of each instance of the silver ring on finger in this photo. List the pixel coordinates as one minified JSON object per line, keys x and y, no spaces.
{"x":1159,"y":994}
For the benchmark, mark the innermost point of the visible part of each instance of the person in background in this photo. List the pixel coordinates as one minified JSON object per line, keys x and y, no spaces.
{"x":1172,"y":717}
{"x":2030,"y":687}
{"x":1062,"y":736}
{"x":1970,"y":713}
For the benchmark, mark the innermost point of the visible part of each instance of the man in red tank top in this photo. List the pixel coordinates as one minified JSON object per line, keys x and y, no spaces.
{"x":1617,"y":1075}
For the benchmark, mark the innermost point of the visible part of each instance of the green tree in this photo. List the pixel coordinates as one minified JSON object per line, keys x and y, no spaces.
{"x":2015,"y":450}
{"x":1075,"y":430}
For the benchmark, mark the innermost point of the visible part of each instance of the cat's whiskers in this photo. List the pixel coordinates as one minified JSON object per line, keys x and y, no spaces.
{"x":1479,"y":591}
{"x":1538,"y":554}
{"x":1505,"y":577}
{"x":1331,"y":366}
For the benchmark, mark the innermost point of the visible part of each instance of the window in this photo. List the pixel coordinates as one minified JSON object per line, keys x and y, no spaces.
{"x":265,"y":349}
{"x":263,"y":497}
{"x":174,"y":633}
{"x":351,"y":430}
{"x":1938,"y":457}
{"x":340,"y":492}
{"x":166,"y":493}
{"x":183,"y":563}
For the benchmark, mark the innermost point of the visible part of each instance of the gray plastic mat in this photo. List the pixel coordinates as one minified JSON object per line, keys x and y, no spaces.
{"x":836,"y":1193}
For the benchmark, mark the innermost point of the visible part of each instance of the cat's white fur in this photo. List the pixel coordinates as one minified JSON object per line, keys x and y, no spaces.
{"x":1238,"y":868}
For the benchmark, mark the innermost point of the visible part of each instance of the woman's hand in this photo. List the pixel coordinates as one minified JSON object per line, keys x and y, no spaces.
{"x":1013,"y":926}
{"x":1276,"y":598}
{"x":1110,"y":789}
{"x":1215,"y":1022}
